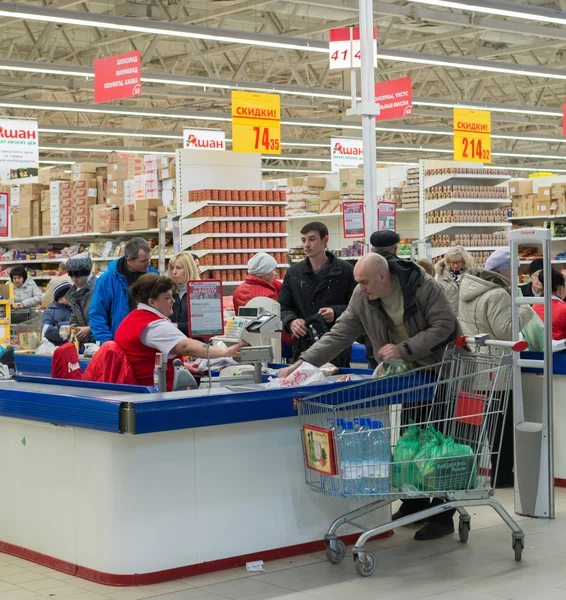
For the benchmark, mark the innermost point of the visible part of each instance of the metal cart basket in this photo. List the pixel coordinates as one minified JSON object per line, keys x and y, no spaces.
{"x":25,"y":329}
{"x":430,"y":432}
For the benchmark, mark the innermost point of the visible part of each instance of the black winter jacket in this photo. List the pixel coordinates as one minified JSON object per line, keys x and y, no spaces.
{"x":301,"y":297}
{"x":180,"y":314}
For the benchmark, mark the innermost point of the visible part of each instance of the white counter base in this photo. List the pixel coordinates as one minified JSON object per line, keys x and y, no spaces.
{"x":127,"y":510}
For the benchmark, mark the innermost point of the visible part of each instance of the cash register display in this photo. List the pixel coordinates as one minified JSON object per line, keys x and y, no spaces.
{"x":256,"y":325}
{"x":248,"y":312}
{"x":234,"y":329}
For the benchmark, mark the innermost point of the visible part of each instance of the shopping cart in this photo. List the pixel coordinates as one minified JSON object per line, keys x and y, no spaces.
{"x":433,"y":432}
{"x":25,"y":328}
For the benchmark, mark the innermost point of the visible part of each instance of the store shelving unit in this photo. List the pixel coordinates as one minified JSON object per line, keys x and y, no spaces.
{"x":437,"y":184}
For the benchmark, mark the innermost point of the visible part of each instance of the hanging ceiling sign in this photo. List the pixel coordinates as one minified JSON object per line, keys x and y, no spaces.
{"x":204,"y":139}
{"x":346,"y":153}
{"x":117,"y":77}
{"x":472,"y":135}
{"x":344,"y":45}
{"x":19,"y":149}
{"x":256,"y":122}
{"x":395,"y":98}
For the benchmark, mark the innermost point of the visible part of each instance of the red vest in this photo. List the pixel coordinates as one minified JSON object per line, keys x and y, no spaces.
{"x":140,"y":356}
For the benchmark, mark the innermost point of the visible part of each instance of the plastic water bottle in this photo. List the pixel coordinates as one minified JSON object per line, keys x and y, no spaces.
{"x":379,"y":448}
{"x":350,"y":459}
{"x":377,"y":460}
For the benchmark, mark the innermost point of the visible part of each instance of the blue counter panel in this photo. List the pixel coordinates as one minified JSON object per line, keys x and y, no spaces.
{"x":75,"y":411}
{"x":168,"y":415}
{"x":558,"y":362}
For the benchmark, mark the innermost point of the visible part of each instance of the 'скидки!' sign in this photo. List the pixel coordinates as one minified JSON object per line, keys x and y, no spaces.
{"x":472,"y":135}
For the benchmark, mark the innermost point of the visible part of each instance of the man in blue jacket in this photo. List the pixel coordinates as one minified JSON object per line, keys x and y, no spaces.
{"x":111,"y":301}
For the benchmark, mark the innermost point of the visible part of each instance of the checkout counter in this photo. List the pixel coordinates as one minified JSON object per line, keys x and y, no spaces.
{"x":125,"y":486}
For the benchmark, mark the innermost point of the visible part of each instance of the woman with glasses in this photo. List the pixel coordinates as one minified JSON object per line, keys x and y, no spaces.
{"x":148,"y":330}
{"x":449,"y":273}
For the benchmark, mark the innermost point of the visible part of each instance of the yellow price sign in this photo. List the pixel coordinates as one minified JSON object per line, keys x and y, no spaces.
{"x":256,"y":122}
{"x":535,"y":175}
{"x":472,"y":135}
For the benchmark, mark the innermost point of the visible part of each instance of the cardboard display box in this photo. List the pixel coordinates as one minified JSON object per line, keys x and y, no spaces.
{"x":352,"y":181}
{"x":105,"y":219}
{"x":544,"y":195}
{"x":521,"y":188}
{"x":316,"y":182}
{"x":49,"y":174}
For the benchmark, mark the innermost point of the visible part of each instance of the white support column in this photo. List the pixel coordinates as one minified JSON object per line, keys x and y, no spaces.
{"x":368,"y":110}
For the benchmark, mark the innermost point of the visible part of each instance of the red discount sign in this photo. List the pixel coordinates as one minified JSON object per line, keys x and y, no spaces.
{"x":117,"y":77}
{"x":395,"y":98}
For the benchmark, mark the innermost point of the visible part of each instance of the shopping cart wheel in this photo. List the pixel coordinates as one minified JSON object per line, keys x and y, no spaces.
{"x":464,"y":530}
{"x":518,"y":545}
{"x":366,"y":565}
{"x":336,"y":555}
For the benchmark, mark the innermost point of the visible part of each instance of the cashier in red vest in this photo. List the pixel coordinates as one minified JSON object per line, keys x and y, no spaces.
{"x":148,"y":330}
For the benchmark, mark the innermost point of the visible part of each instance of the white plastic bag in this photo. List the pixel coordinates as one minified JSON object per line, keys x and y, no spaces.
{"x":216,"y":364}
{"x":91,"y":350}
{"x":46,"y":348}
{"x":306,"y":374}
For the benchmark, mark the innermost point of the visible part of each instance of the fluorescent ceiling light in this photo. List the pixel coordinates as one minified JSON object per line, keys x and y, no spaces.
{"x":502,"y":9}
{"x":69,"y":17}
{"x":299,"y":158}
{"x":57,"y":162}
{"x":273,"y":170}
{"x":498,"y":108}
{"x":111,"y":133}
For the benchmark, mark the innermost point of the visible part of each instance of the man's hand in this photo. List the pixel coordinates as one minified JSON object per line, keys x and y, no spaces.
{"x":83,"y":333}
{"x":390,"y":352}
{"x":327,"y":314}
{"x":283,"y":373}
{"x":298,"y":328}
{"x":192,"y":368}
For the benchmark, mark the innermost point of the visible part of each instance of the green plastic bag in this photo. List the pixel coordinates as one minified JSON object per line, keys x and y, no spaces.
{"x":444,"y":465}
{"x":404,"y":471}
{"x":393,"y":367}
{"x":533,"y":334}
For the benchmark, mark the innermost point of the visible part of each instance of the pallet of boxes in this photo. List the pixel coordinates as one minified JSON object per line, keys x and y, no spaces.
{"x":524,"y":202}
{"x":410,"y":192}
{"x":137,"y":190}
{"x":351,"y":184}
{"x":309,"y":194}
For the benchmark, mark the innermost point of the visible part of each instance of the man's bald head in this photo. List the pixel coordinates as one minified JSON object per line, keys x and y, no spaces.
{"x":373,"y":276}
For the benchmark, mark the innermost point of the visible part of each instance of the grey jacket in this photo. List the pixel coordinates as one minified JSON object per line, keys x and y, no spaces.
{"x":80,"y":303}
{"x":429,"y":321}
{"x":28,"y":294}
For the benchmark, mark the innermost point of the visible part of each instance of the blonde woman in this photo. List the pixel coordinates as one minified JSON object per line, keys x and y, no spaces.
{"x":182,"y":268}
{"x":449,"y":272}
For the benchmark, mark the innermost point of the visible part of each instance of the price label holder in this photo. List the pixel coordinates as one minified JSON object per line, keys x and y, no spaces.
{"x":472,"y":135}
{"x":256,"y":122}
{"x":344,"y":45}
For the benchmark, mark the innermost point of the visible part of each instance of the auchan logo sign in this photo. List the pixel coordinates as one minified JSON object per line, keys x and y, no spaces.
{"x":346,"y":153}
{"x":202,"y":139}
{"x":18,"y":134}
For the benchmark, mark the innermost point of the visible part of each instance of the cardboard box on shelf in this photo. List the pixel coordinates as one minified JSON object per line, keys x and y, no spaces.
{"x":105,"y":219}
{"x":30,"y":191}
{"x":351,"y":181}
{"x":528,"y":205}
{"x":295,"y":182}
{"x":66,"y":212}
{"x":46,"y":220}
{"x":101,"y":183}
{"x":80,"y":223}
{"x":147,"y":219}
{"x":169,"y":173}
{"x":162,"y":213}
{"x":45,"y":200}
{"x":84,"y":170}
{"x":329,"y":195}
{"x":558,"y":191}
{"x":544,"y":195}
{"x":316,"y":182}
{"x":330,"y":207}
{"x":83,"y":203}
{"x":521,"y":188}
{"x":24,"y":227}
{"x":147,"y":204}
{"x":49,"y":174}
{"x":126,"y":215}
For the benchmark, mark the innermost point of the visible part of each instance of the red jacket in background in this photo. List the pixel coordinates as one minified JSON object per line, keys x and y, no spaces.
{"x":558,"y":318}
{"x":254,"y":287}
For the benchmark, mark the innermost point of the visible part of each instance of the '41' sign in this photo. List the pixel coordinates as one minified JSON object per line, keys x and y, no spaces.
{"x":345,"y":50}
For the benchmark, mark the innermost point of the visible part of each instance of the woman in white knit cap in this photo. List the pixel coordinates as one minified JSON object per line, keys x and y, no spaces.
{"x":260,"y":281}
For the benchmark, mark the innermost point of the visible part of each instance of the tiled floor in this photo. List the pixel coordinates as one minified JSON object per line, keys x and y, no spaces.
{"x":445,"y":569}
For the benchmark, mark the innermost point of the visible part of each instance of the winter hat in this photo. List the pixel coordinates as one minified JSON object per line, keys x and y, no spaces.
{"x":61,"y":289}
{"x":536,"y":265}
{"x":500,"y":260}
{"x":79,"y":266}
{"x":261,"y":264}
{"x":384,"y":238}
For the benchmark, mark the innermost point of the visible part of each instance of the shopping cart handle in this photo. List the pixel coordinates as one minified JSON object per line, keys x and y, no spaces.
{"x":485,"y":340}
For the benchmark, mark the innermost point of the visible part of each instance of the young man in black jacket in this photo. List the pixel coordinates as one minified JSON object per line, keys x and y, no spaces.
{"x":321,"y":285}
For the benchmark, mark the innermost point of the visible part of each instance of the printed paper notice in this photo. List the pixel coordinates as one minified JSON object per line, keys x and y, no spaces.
{"x":205,"y":308}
